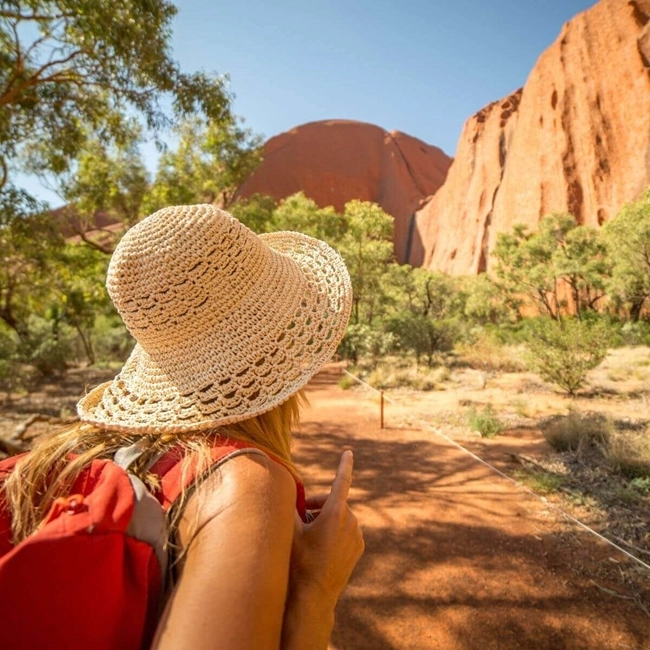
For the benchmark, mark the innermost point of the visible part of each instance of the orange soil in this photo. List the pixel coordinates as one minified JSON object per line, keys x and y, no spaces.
{"x":457,"y":557}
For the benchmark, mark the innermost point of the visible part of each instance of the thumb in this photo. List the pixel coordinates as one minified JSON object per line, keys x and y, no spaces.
{"x":342,"y":481}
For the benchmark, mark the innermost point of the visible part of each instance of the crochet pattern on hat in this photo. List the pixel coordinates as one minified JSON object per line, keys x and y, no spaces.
{"x":228,"y":324}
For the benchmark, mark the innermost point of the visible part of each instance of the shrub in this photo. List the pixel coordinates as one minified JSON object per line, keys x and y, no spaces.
{"x":389,"y":376}
{"x":346,"y":382}
{"x":635,"y":333}
{"x":10,"y":371}
{"x":484,"y":421}
{"x":641,"y":485}
{"x":577,"y":432}
{"x":484,"y":351}
{"x":563,"y":353}
{"x":630,"y":456}
{"x":111,"y":339}
{"x":540,"y":481}
{"x":50,"y":346}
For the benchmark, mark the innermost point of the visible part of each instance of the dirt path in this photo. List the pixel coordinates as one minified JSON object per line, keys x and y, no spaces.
{"x":457,"y":557}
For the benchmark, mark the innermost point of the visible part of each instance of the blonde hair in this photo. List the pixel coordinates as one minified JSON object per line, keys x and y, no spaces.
{"x":47,"y":472}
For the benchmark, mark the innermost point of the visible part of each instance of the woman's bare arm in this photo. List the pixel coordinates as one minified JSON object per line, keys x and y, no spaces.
{"x":233,"y":592}
{"x":233,"y":586}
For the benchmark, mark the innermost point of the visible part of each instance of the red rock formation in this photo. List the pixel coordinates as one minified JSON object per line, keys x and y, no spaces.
{"x":336,"y":161}
{"x":576,"y":138}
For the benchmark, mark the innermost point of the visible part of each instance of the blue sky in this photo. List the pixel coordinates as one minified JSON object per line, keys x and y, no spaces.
{"x":416,"y":66}
{"x":419,"y":67}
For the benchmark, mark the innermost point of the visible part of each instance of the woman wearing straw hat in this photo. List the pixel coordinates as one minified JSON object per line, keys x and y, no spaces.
{"x":229,"y":327}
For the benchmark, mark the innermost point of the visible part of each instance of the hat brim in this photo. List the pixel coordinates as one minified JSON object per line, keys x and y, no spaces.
{"x":269,"y":347}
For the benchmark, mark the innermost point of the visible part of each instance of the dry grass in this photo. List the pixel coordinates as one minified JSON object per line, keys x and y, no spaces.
{"x":415,"y":377}
{"x":521,"y":407}
{"x":626,"y":364}
{"x":577,"y":432}
{"x":488,"y":355}
{"x":629,"y":454}
{"x":393,"y":373}
{"x":625,"y":452}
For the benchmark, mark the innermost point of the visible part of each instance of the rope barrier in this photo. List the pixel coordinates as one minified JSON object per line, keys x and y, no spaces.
{"x":527,"y":489}
{"x":349,"y":374}
{"x":566,"y":515}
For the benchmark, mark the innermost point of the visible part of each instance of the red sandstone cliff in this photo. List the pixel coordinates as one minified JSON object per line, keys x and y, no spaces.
{"x":576,"y":138}
{"x":336,"y":161}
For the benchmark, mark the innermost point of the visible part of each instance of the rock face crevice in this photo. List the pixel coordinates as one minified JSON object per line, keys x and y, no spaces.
{"x":576,"y":138}
{"x":474,"y":180}
{"x":336,"y":161}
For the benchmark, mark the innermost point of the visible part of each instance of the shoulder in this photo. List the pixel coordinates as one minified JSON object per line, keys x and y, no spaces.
{"x":251,"y":488}
{"x":235,"y":538}
{"x":253,"y":473}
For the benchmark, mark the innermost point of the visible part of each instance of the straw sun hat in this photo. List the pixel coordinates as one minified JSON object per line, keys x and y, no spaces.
{"x":228,"y":324}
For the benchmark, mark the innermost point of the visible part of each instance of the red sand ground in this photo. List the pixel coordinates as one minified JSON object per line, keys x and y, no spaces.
{"x":457,"y":557}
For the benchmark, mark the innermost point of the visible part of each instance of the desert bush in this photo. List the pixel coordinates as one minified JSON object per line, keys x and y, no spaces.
{"x":641,"y":485}
{"x":346,"y":382}
{"x":629,"y":455}
{"x":577,"y":432}
{"x":424,"y":336}
{"x":111,"y":339}
{"x":484,"y":351}
{"x":415,"y":377}
{"x":635,"y":333}
{"x":10,"y":367}
{"x":484,"y":421}
{"x":50,"y":347}
{"x":562,"y":353}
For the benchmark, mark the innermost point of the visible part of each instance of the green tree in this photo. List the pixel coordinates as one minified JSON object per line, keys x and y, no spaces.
{"x":211,"y":161}
{"x":536,"y":265}
{"x":628,"y":241}
{"x":562,"y":352}
{"x":581,"y":260}
{"x":425,"y":307}
{"x":484,"y":301}
{"x":72,"y":68}
{"x":523,"y":270}
{"x":26,"y":261}
{"x":256,"y":212}
{"x":367,"y":248}
{"x":74,"y":76}
{"x":299,"y":213}
{"x":78,"y":292}
{"x":110,"y":180}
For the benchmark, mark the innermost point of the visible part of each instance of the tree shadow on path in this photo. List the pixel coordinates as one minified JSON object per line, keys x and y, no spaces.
{"x":456,"y":558}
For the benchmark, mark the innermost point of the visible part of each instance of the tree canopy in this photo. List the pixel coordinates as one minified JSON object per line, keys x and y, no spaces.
{"x":536,"y":265}
{"x":75,"y":69}
{"x":628,"y":240}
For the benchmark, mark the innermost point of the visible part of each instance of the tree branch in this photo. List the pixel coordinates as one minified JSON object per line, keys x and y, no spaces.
{"x":12,"y":15}
{"x":93,"y":244}
{"x":5,"y":172}
{"x":11,"y":94}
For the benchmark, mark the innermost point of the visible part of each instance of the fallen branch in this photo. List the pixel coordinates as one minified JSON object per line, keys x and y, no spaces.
{"x":611,"y":592}
{"x":21,"y":429}
{"x":11,"y":447}
{"x":527,"y":460}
